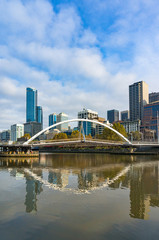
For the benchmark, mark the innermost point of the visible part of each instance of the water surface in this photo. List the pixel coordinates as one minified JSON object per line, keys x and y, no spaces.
{"x":79,"y":196}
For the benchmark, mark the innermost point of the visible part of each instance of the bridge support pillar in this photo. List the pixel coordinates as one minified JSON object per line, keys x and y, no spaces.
{"x":131,"y":150}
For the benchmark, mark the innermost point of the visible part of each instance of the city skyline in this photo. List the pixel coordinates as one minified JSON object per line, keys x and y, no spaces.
{"x":76,"y":53}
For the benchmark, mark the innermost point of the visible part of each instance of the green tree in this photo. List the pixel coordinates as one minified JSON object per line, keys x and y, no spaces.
{"x":136,"y":135}
{"x":27,"y":135}
{"x":110,"y":135}
{"x":75,"y":134}
{"x":61,"y":136}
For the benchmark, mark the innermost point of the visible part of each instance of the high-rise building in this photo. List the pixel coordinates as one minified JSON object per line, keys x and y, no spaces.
{"x":89,"y":128}
{"x":32,"y":128}
{"x":138,"y":98}
{"x":153,"y":97}
{"x":39,"y":115}
{"x":60,"y":118}
{"x":5,"y":135}
{"x":124,"y":115}
{"x":31,"y":105}
{"x":151,"y":117}
{"x":113,"y":115}
{"x":34,"y":113}
{"x":52,"y":119}
{"x":17,"y":131}
{"x":131,"y":126}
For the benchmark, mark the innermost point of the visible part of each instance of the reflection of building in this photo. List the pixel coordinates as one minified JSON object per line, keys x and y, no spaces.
{"x":17,"y":131}
{"x":33,"y":188}
{"x":144,"y":190}
{"x":138,"y":97}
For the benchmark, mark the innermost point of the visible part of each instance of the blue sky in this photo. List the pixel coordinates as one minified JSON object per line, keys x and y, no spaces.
{"x":76,"y":54}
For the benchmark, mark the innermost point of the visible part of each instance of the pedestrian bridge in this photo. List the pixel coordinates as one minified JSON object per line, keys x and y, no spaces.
{"x":78,"y":120}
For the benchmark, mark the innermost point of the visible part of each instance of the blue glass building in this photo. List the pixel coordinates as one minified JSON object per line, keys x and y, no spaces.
{"x":52,"y":119}
{"x":39,"y":113}
{"x":151,"y":117}
{"x":113,"y":115}
{"x":31,"y":104}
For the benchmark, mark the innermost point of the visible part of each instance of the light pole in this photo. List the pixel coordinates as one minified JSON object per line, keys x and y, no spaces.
{"x":157,"y":128}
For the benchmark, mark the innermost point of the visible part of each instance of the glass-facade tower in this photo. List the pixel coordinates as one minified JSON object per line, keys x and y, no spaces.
{"x":113,"y":115}
{"x":39,"y":113}
{"x":52,"y":119}
{"x":31,"y":105}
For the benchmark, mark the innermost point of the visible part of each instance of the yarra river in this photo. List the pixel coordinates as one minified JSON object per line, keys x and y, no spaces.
{"x":79,"y":197}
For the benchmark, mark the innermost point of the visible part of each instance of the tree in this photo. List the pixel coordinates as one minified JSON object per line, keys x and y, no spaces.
{"x":26,"y":136}
{"x":75,"y":134}
{"x":136,"y":135}
{"x":110,"y":135}
{"x":61,"y":136}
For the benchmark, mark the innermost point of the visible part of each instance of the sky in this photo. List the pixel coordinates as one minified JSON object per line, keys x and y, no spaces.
{"x":76,"y":53}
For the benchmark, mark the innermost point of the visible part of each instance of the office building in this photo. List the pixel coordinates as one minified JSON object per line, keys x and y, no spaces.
{"x":31,"y":105}
{"x":60,"y":118}
{"x":5,"y":135}
{"x":131,"y":126}
{"x":17,"y":131}
{"x":89,"y":128}
{"x":124,"y":115}
{"x":151,"y":117}
{"x":34,"y":113}
{"x":113,"y":115}
{"x":39,"y":115}
{"x":138,"y":98}
{"x":153,"y":97}
{"x":100,"y":128}
{"x":52,"y":119}
{"x":32,"y":128}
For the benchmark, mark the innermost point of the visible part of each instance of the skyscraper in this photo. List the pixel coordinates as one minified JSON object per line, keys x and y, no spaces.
{"x":62,"y":117}
{"x":113,"y":115}
{"x":124,"y":115}
{"x":52,"y":119}
{"x":89,"y":128}
{"x":39,"y":114}
{"x":31,"y":105}
{"x":153,"y":97}
{"x":138,"y":98}
{"x":34,"y":113}
{"x":17,"y":131}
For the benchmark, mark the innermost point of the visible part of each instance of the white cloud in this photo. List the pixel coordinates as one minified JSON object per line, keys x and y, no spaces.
{"x":67,"y":63}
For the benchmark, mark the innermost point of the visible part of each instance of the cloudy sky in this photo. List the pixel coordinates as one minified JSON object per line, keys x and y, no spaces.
{"x":76,"y":53}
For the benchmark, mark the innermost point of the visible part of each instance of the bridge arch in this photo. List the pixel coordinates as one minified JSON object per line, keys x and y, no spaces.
{"x":77,"y":120}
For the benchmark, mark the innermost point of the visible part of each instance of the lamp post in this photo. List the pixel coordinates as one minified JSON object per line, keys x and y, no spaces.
{"x":157,"y":128}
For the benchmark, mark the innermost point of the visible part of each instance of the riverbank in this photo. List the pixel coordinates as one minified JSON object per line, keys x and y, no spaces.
{"x":117,"y":152}
{"x":28,"y":155}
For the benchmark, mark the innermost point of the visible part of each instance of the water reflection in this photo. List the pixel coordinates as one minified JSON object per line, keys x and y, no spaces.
{"x":83,"y":173}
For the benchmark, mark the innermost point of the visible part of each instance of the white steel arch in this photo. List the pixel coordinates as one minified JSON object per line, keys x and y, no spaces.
{"x":77,"y":120}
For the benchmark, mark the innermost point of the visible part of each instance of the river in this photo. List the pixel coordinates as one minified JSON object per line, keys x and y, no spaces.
{"x":79,"y":196}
